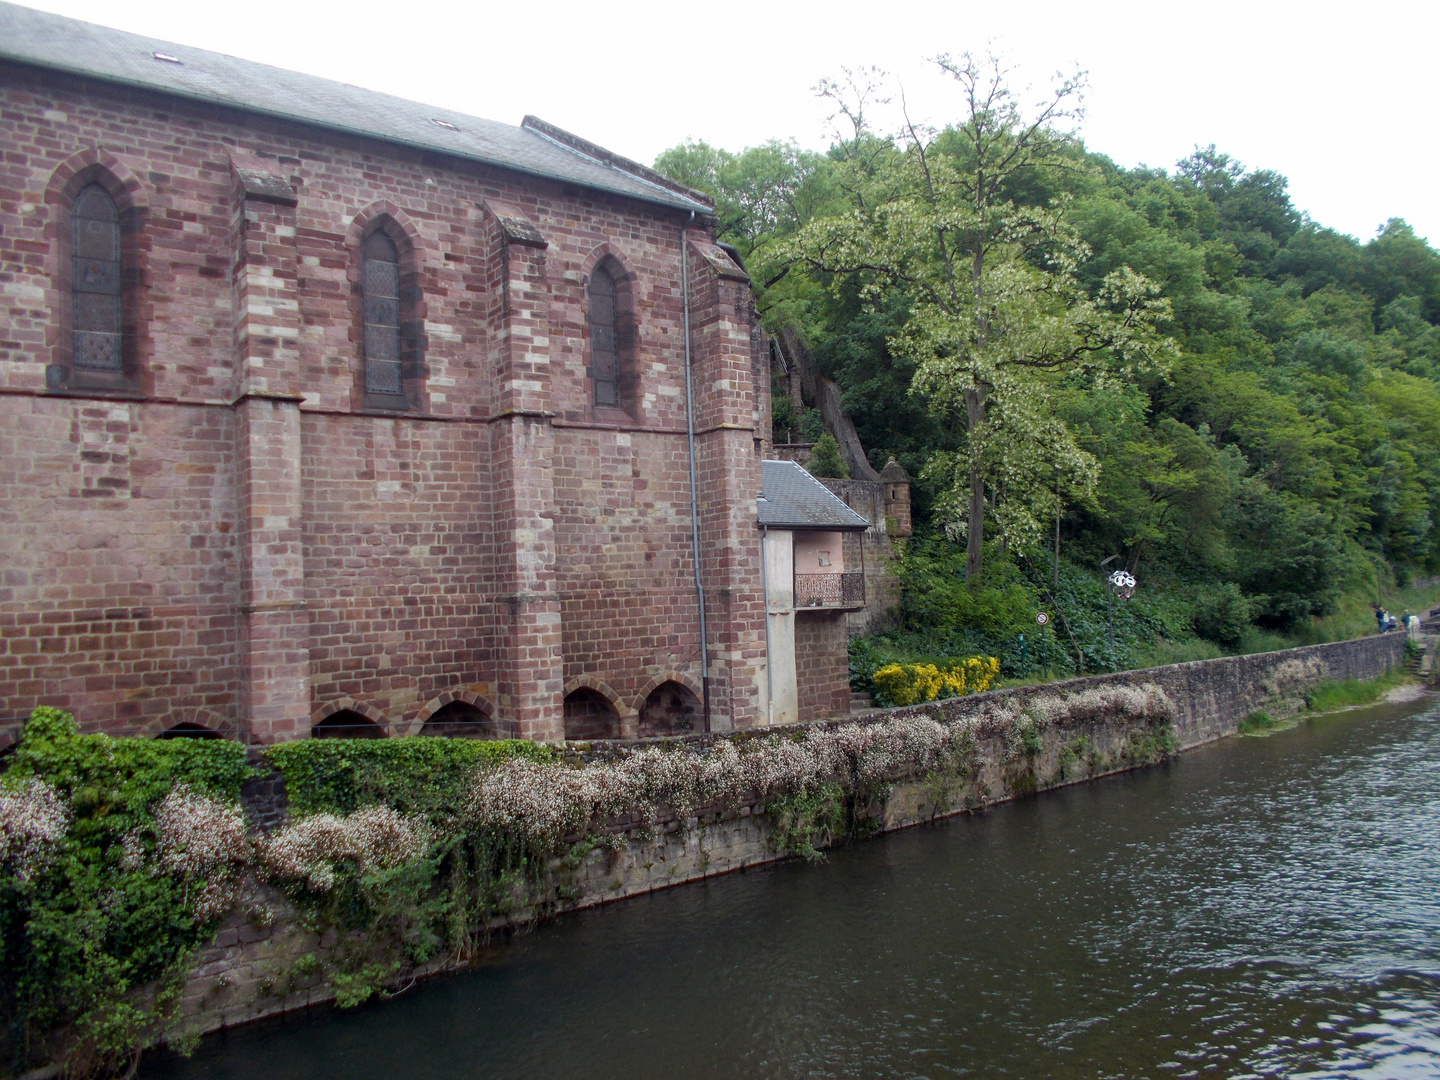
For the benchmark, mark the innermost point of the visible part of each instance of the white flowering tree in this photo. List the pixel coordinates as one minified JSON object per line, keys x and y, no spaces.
{"x":997,"y":311}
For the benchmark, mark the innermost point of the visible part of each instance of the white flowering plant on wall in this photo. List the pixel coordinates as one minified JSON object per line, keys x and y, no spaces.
{"x":118,"y":857}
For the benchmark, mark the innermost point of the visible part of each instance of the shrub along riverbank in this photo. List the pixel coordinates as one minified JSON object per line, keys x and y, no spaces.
{"x":121,"y":857}
{"x":943,"y":620}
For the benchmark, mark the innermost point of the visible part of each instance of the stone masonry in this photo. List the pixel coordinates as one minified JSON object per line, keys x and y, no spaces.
{"x":250,"y":970}
{"x":229,"y":534}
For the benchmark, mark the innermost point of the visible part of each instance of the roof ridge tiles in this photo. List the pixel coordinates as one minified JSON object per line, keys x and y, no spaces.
{"x":44,"y":40}
{"x":793,"y":498}
{"x":584,"y":146}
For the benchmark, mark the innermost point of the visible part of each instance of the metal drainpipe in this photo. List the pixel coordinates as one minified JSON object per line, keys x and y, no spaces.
{"x":765,"y":589}
{"x":694,"y":496}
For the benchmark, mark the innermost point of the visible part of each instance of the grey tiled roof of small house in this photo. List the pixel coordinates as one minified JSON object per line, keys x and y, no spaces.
{"x":796,"y":500}
{"x":52,"y":41}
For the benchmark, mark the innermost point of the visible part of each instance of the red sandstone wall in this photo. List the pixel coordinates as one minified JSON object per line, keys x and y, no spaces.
{"x":120,"y":517}
{"x":822,"y":665}
{"x":398,"y":548}
{"x":117,"y":558}
{"x":623,"y":559}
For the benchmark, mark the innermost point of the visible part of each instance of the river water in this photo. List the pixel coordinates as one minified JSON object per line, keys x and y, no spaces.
{"x":1260,"y":907}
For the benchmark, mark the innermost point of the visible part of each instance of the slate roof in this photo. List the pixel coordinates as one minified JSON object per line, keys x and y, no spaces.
{"x":796,"y":500}
{"x":52,"y":41}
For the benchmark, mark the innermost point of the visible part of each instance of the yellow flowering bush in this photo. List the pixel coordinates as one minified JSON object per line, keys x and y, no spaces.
{"x":911,"y":684}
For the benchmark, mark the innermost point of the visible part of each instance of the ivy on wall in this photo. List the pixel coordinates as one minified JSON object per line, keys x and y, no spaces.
{"x":430,"y":776}
{"x":85,"y":922}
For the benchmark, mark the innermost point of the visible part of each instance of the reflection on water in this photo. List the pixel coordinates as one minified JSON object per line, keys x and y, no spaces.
{"x":1263,"y":907}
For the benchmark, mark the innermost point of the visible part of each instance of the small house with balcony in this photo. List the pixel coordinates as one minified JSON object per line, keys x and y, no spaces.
{"x":809,"y":591}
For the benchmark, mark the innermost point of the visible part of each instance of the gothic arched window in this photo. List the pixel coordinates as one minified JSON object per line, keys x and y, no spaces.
{"x":380,"y":284}
{"x":604,"y":340}
{"x":95,"y":287}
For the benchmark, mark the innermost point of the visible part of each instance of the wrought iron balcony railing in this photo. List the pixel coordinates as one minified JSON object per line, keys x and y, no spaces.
{"x":830,"y":590}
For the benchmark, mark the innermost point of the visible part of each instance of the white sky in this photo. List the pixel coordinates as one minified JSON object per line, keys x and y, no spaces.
{"x":1337,"y":98}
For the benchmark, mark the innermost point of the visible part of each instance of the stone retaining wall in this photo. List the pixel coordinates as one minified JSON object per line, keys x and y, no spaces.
{"x":251,"y":969}
{"x":1213,"y":696}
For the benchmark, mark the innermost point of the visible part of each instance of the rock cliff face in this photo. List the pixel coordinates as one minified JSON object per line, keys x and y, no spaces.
{"x":808,"y":385}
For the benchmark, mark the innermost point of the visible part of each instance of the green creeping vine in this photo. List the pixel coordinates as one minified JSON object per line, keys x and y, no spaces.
{"x":1149,"y":746}
{"x":1078,"y":756}
{"x":424,"y":776}
{"x":421,"y":909}
{"x":955,"y":770}
{"x":90,"y":925}
{"x":99,"y":922}
{"x":804,"y":822}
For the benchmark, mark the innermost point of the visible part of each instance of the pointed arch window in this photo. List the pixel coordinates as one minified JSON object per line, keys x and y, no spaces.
{"x":95,"y":282}
{"x":380,"y":282}
{"x":604,"y":339}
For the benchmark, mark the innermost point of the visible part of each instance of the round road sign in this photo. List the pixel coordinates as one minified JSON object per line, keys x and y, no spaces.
{"x":1042,"y":618}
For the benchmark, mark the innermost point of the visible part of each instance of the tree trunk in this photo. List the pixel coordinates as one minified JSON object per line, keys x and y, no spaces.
{"x":975,"y":539}
{"x":975,"y":532}
{"x":825,"y":395}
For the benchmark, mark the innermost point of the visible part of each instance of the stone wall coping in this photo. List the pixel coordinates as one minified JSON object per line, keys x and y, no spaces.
{"x":954,"y":708}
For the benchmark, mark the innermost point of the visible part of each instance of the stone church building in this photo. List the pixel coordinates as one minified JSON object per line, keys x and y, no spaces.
{"x":326,"y":412}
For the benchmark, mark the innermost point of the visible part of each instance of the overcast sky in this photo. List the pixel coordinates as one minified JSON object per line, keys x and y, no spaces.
{"x":1338,"y":98}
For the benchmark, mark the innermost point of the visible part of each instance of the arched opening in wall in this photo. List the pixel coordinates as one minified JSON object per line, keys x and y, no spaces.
{"x":671,"y":709}
{"x":459,"y":720}
{"x":588,"y":715}
{"x":187,"y":730}
{"x":347,"y":724}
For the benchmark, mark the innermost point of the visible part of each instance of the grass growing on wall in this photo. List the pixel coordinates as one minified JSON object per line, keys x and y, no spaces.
{"x":1325,"y":697}
{"x":1258,"y":722}
{"x":1339,"y":694}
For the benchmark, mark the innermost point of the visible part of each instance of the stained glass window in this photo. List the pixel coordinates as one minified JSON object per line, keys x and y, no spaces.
{"x":604,"y":343}
{"x":95,"y":280}
{"x":381,"y":288}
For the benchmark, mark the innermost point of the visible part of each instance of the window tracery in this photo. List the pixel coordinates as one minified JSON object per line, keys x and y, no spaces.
{"x":604,"y":340}
{"x":96,"y":312}
{"x":380,"y":286}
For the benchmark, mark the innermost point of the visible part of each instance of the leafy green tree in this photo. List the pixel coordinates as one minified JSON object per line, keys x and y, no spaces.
{"x":1290,"y":449}
{"x":825,"y":459}
{"x":995,"y":300}
{"x":1398,"y":263}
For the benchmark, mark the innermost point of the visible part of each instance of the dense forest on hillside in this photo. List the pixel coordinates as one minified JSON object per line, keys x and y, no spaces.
{"x":1240,"y":404}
